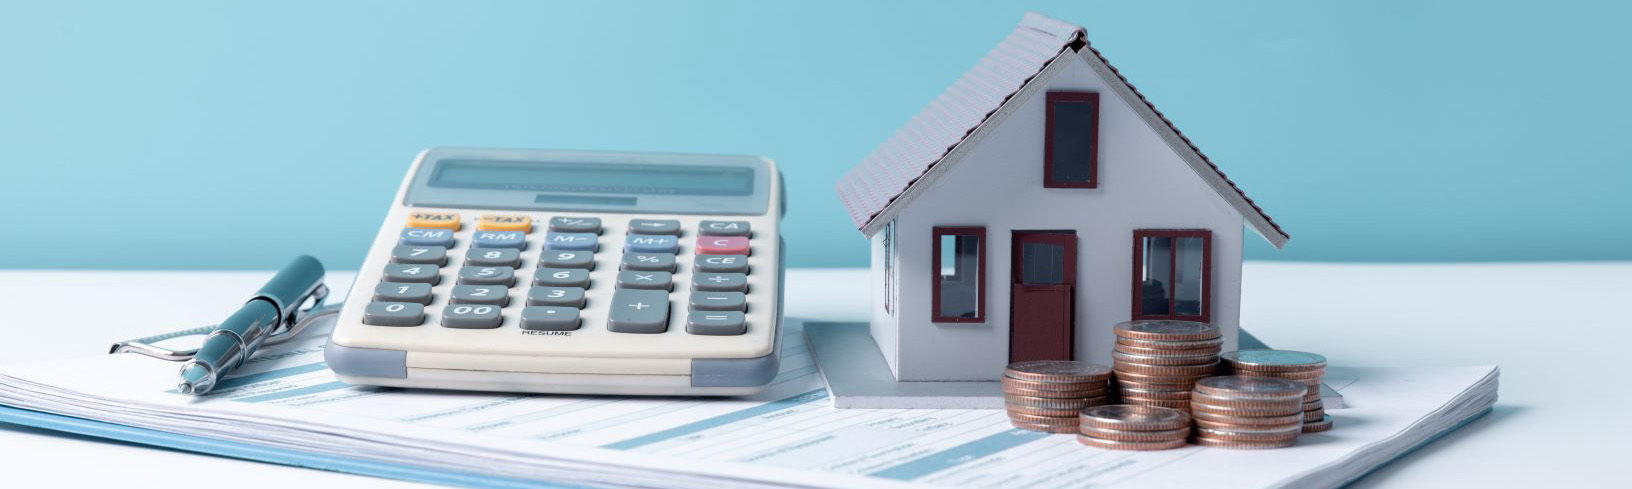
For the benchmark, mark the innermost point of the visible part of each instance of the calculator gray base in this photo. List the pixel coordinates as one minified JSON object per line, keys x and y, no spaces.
{"x":365,"y":362}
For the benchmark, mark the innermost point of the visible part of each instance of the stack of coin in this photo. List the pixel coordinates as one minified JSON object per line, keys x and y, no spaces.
{"x":1133,"y":427}
{"x":1157,"y":362}
{"x":1047,"y":395}
{"x":1246,"y":412}
{"x":1306,"y":368}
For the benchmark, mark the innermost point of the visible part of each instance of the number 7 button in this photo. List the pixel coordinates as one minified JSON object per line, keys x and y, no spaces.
{"x":722,"y":245}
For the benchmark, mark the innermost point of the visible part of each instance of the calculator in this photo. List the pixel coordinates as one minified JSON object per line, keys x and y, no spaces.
{"x":571,"y":272}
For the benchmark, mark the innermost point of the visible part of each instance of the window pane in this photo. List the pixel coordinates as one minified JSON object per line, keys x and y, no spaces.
{"x":1187,"y":290}
{"x":1073,"y":143}
{"x":960,"y":276}
{"x":1158,"y":271}
{"x":1042,"y":263}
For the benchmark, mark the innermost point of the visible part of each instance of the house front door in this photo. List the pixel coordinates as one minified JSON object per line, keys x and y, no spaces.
{"x":1041,"y":304}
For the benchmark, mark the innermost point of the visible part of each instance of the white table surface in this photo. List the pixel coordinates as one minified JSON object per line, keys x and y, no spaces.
{"x":1559,"y":332}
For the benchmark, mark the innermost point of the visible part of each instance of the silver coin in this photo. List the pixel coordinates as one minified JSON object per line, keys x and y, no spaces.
{"x":1274,"y":358}
{"x":1166,"y":328}
{"x":1250,"y":387}
{"x":1134,"y":417}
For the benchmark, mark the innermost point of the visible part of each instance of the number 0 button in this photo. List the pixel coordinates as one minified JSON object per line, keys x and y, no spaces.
{"x":393,"y":314}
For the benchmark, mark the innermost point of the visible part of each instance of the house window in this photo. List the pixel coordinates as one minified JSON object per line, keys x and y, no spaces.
{"x":1172,"y":274}
{"x":889,"y":268}
{"x":1071,"y":140}
{"x":959,"y":286}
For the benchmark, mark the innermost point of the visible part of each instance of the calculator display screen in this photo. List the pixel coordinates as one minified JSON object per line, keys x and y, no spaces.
{"x":594,"y":178}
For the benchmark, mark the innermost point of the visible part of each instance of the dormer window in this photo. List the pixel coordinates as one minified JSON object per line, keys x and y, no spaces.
{"x":1071,"y":140}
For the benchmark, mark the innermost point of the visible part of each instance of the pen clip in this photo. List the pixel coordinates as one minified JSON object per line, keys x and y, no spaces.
{"x":296,"y":322}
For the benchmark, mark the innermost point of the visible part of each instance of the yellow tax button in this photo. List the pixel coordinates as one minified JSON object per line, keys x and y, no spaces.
{"x":492,"y":222}
{"x":437,"y":220}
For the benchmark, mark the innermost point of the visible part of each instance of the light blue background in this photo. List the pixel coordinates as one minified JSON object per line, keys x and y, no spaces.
{"x":214,"y":135}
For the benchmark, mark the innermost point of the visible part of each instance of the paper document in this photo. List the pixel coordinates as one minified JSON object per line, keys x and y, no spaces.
{"x":285,"y":397}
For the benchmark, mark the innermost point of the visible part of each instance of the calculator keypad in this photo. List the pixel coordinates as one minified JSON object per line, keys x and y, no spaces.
{"x":647,"y":264}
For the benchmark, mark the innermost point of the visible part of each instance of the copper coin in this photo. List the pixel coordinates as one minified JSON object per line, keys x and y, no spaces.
{"x":1213,"y":343}
{"x":1166,"y":330}
{"x":1210,"y":352}
{"x":1209,"y":442}
{"x":1049,"y":402}
{"x":1057,"y":371}
{"x":1313,"y":405}
{"x":1118,"y":435}
{"x":1305,"y":379}
{"x":1128,"y":417}
{"x":1038,"y":419}
{"x":1288,"y":410}
{"x":1119,"y":357}
{"x":1231,"y":402}
{"x":1126,"y":385}
{"x":1274,"y":360}
{"x":1077,"y":394}
{"x":1037,"y":411}
{"x":1160,"y":379}
{"x":1055,"y":386}
{"x":1234,"y":386}
{"x":1049,"y":428}
{"x":1208,"y":369}
{"x":1247,"y":428}
{"x":1180,"y":405}
{"x":1248,"y":420}
{"x":1248,"y":435}
{"x":1311,"y":397}
{"x":1156,"y":395}
{"x":1313,"y":416}
{"x":1129,"y":445}
{"x":1324,"y":424}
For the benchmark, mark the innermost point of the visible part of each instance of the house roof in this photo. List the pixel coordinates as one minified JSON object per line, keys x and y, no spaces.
{"x":933,"y":140}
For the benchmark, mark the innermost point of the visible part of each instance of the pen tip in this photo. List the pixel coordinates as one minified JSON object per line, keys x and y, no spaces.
{"x":195,"y":380}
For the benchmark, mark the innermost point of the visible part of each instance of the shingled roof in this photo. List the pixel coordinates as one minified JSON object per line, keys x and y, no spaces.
{"x":877,"y":188}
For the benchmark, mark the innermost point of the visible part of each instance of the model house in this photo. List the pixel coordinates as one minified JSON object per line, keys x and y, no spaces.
{"x":1033,"y":205}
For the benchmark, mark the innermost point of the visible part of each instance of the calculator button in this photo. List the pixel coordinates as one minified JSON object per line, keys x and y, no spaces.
{"x":402,"y":292}
{"x":634,"y":279}
{"x":639,"y":311}
{"x":411,"y":273}
{"x":426,"y":237}
{"x":423,"y":255}
{"x":434,"y":220}
{"x":654,"y":226}
{"x":556,"y":296}
{"x":487,"y":276}
{"x":546,"y":318}
{"x":570,"y":241}
{"x":576,"y":224}
{"x":503,"y":222}
{"x":656,"y":262}
{"x":722,"y":245}
{"x":720,"y":282}
{"x":648,"y":243}
{"x":562,"y":277}
{"x":499,"y":239}
{"x":471,"y":316}
{"x":723,"y":228}
{"x":393,"y":314}
{"x":722,"y":263}
{"x":493,"y":257}
{"x":719,"y":301}
{"x":492,"y":295}
{"x":716,"y":323}
{"x":567,"y":259}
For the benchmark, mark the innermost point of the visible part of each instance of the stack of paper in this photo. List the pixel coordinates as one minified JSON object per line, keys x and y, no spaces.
{"x":285,"y":406}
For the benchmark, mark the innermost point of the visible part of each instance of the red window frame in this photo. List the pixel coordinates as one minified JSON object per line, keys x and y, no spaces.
{"x":1048,"y":140}
{"x":935,"y":273}
{"x":1173,"y":269}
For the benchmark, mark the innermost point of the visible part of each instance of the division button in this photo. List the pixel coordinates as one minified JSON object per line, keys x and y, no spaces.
{"x":421,"y":255}
{"x":654,"y":226}
{"x":576,"y":224}
{"x":426,"y":237}
{"x":471,"y":316}
{"x":656,"y":262}
{"x":716,"y":323}
{"x":634,"y":279}
{"x":410,"y":273}
{"x":556,"y":296}
{"x":492,"y":295}
{"x":720,"y":282}
{"x":499,"y":239}
{"x":569,"y":241}
{"x":722,"y":245}
{"x":649,"y":243}
{"x":639,"y":311}
{"x":547,"y":318}
{"x":393,"y":314}
{"x":562,"y":277}
{"x":719,"y":301}
{"x":505,"y":276}
{"x":723,"y":228}
{"x":722,"y":263}
{"x":402,"y":292}
{"x":567,"y":259}
{"x":494,"y":257}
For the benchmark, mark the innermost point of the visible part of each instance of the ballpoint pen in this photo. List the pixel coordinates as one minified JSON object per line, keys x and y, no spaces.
{"x":275,"y":307}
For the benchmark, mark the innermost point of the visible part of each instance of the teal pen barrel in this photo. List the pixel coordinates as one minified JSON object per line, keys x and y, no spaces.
{"x":293,"y":284}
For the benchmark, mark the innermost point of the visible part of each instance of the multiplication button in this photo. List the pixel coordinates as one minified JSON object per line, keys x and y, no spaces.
{"x":633,"y":279}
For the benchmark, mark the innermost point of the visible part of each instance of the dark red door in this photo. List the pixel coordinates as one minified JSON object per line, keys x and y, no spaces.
{"x":1042,"y":297}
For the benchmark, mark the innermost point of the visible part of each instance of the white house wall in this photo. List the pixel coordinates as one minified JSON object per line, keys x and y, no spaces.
{"x":999,"y":185}
{"x":883,"y":324}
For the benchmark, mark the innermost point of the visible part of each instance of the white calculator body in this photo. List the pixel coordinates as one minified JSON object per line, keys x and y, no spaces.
{"x":571,"y":272}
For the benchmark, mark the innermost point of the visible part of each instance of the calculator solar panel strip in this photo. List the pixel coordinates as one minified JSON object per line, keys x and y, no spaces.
{"x":571,"y":272}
